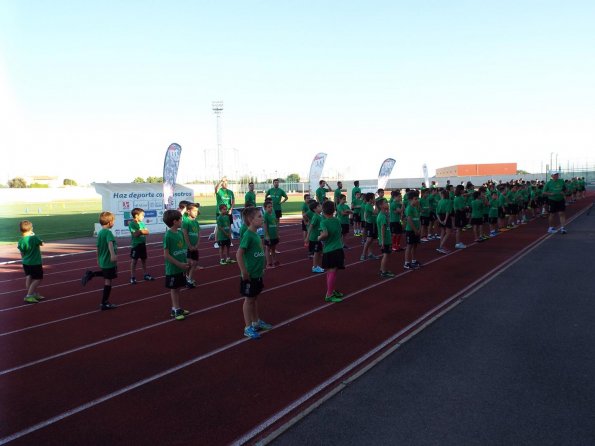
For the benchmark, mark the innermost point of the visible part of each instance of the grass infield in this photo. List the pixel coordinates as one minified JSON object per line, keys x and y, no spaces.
{"x":59,"y":220}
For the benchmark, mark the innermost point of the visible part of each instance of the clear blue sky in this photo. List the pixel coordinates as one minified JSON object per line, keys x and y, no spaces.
{"x":96,"y":91}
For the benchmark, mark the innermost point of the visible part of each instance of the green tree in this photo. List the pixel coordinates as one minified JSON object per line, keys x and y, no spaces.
{"x":69,"y":182}
{"x":293,"y":178}
{"x":154,"y":180}
{"x":17,"y":183}
{"x":522,"y":172}
{"x":138,"y":180}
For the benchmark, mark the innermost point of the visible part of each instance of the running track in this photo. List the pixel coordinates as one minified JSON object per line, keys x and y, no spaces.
{"x":70,"y":374}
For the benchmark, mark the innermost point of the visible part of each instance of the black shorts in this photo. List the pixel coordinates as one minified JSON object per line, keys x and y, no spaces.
{"x":433,"y":216}
{"x":372,"y":231}
{"x":412,"y":238}
{"x":344,"y":228}
{"x":448,"y":223}
{"x":224,"y":242}
{"x":278,"y":214}
{"x":386,"y":249}
{"x":396,"y":227}
{"x":460,"y":219}
{"x":357,"y":218}
{"x":138,"y":252}
{"x":333,"y":259}
{"x":110,"y":273}
{"x":557,"y":206}
{"x":252,"y":287}
{"x":314,"y":246}
{"x":477,"y":221}
{"x":271,"y":242}
{"x":492,"y":220}
{"x":425,"y":221}
{"x":192,"y":255}
{"x":513,"y":209}
{"x":501,"y":213}
{"x":35,"y":271}
{"x":175,"y":281}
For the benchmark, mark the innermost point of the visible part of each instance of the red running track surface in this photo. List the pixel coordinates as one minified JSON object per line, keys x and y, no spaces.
{"x":71,"y":374}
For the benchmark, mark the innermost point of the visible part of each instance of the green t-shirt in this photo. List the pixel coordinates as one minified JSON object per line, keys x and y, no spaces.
{"x":444,"y":206}
{"x":276,"y":193}
{"x":380,"y":221}
{"x":458,"y":203}
{"x":174,"y":244}
{"x":321,"y":194}
{"x":30,"y":252}
{"x":224,"y":196}
{"x":314,"y":227}
{"x":134,"y":226}
{"x":412,"y":212}
{"x":433,"y":199}
{"x":243,"y":230}
{"x":344,"y":219}
{"x":337,"y":195}
{"x":305,"y":208}
{"x":556,"y":187}
{"x":394,"y":210}
{"x":354,"y":191}
{"x":493,"y":212}
{"x":103,"y":255}
{"x":192,"y":228}
{"x":477,"y":208}
{"x":357,"y":204}
{"x":332,"y":225}
{"x":250,"y":198}
{"x":223,"y":230}
{"x":369,"y":216}
{"x":253,"y":254}
{"x":270,"y":222}
{"x":424,"y":207}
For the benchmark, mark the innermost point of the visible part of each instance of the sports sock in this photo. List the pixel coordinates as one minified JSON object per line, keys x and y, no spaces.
{"x":107,"y":289}
{"x":331,"y":277}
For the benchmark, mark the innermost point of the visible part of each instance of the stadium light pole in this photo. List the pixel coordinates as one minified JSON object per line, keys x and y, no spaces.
{"x":218,"y":110}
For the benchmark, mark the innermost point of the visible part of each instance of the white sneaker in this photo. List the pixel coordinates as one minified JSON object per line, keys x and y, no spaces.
{"x":551,"y":230}
{"x":460,"y":246}
{"x":562,"y":230}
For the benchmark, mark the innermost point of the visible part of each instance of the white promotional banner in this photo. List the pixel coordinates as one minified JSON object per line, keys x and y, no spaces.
{"x":170,"y":173}
{"x":316,"y":171}
{"x":426,"y":177}
{"x":121,"y":198}
{"x":384,"y":173}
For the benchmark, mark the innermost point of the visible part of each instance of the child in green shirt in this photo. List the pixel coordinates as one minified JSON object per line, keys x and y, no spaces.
{"x":224,"y":235}
{"x":176,"y":263}
{"x":412,"y":230}
{"x":138,"y":244}
{"x":333,"y":256}
{"x":314,"y":245}
{"x":191,"y":230}
{"x":384,"y":238}
{"x":271,"y":235}
{"x":250,"y":257}
{"x":31,"y":258}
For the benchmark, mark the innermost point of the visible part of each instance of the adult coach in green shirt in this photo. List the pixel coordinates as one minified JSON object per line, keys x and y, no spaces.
{"x":554,"y":191}
{"x":278,"y":197}
{"x":250,"y":197}
{"x":224,"y":196}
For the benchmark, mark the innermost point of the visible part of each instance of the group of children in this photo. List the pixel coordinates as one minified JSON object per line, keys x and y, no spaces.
{"x":418,"y":215}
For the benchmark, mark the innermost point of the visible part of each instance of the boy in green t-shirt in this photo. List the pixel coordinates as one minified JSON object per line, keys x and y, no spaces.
{"x":271,"y":235}
{"x":305,"y":218}
{"x":314,"y":245}
{"x":333,"y":256}
{"x":384,"y":238}
{"x":412,"y":230}
{"x":395,"y":211}
{"x":176,"y":264}
{"x":424,"y":214}
{"x":250,"y":257}
{"x":477,"y":216}
{"x":191,"y":230}
{"x":371,"y":229}
{"x":493,"y":214}
{"x":444,"y":214}
{"x":106,"y":258}
{"x":31,"y":258}
{"x":356,"y":207}
{"x":343,"y":213}
{"x":224,"y":235}
{"x":138,"y":244}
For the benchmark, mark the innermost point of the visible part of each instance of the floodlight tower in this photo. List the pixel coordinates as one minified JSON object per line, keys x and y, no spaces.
{"x":218,"y":110}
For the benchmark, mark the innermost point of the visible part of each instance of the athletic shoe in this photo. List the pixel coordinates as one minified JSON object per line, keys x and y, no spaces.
{"x":216,"y":245}
{"x":338,"y":293}
{"x":551,"y":230}
{"x":478,"y":240}
{"x":250,"y":332}
{"x":460,"y":246}
{"x":424,"y":239}
{"x":38,"y":296}
{"x":262,"y":325}
{"x":493,"y":233}
{"x":415,"y":264}
{"x":133,"y":281}
{"x":228,"y":260}
{"x":442,"y":250}
{"x":333,"y":298}
{"x":317,"y":269}
{"x":386,"y":274}
{"x":222,"y":262}
{"x":31,"y":299}
{"x":107,"y":306}
{"x":86,"y":277}
{"x":373,"y":257}
{"x":148,"y":277}
{"x":179,"y":314}
{"x":362,"y":258}
{"x":277,"y":251}
{"x":190,"y":283}
{"x":407,"y":265}
{"x":562,"y":231}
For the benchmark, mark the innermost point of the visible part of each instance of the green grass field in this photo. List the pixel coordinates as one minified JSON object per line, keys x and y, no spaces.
{"x":76,"y":218}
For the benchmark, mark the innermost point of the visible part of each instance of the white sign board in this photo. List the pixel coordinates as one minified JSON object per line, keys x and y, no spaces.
{"x":121,"y":198}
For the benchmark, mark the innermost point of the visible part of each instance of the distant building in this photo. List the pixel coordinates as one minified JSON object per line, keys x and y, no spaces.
{"x":476,"y":170}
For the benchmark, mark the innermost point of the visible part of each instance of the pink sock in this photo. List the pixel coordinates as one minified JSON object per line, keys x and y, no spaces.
{"x":331,"y":276}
